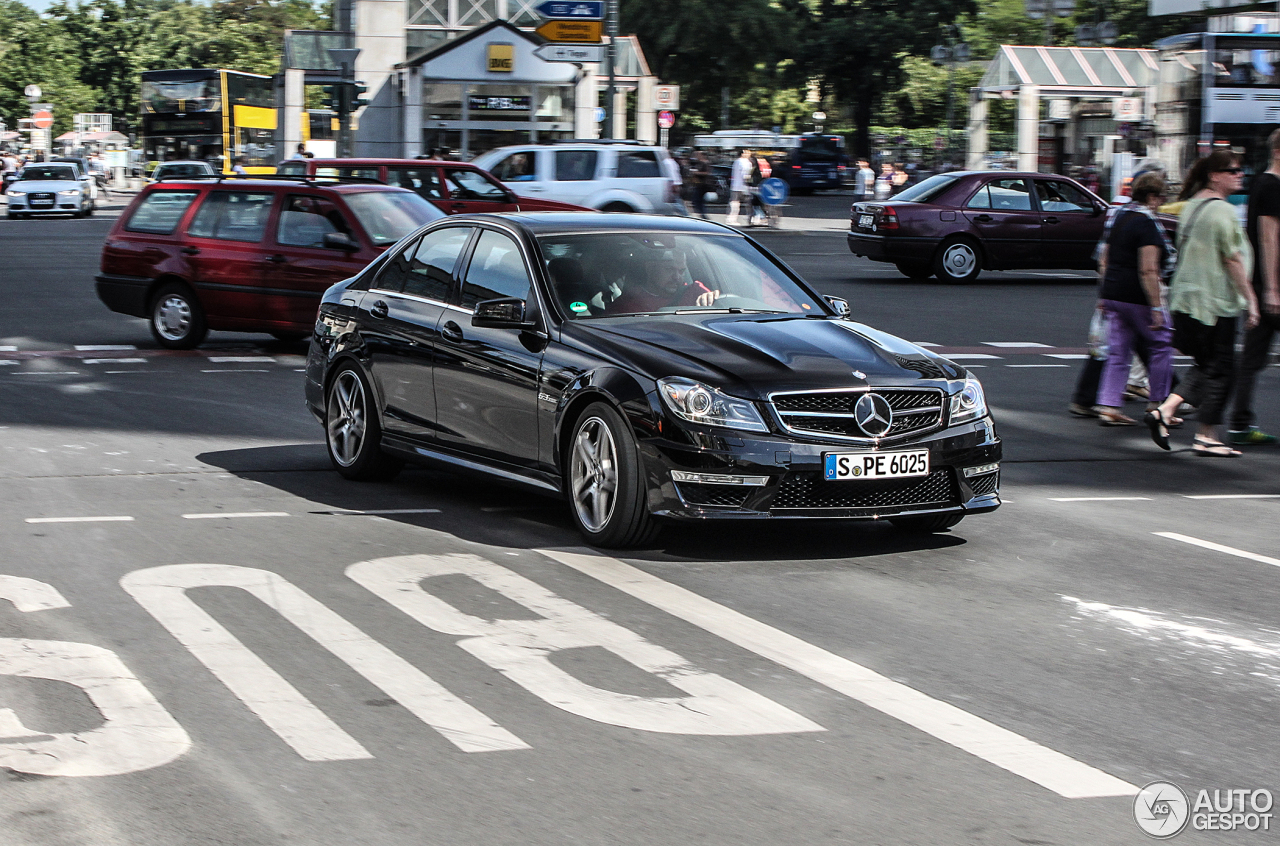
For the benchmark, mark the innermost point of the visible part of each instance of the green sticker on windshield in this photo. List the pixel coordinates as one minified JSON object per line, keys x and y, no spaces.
{"x":577,"y":308}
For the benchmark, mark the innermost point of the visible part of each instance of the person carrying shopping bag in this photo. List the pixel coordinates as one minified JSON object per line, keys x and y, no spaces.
{"x":1209,"y":290}
{"x":1131,"y":265}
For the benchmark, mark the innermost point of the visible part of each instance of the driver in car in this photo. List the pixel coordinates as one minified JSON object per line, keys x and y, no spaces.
{"x":662,"y":285}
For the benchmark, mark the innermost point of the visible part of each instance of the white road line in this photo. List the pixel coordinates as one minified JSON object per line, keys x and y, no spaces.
{"x":1099,"y":498}
{"x":1037,"y":365}
{"x":1050,"y":769}
{"x":113,"y":361}
{"x":1067,"y":356}
{"x":104,"y":347}
{"x":968,"y":356}
{"x":1217,"y":547}
{"x":241,"y":359}
{"x":235,"y":514}
{"x":121,"y":519}
{"x":378,"y":512}
{"x":48,"y":373}
{"x":1233,"y":496}
{"x":1015,"y":344}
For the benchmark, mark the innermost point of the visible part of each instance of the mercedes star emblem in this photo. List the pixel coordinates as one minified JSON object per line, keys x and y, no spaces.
{"x":859,"y":374}
{"x":873,"y":414}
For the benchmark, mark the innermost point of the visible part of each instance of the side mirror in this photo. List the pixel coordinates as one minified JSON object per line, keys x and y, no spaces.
{"x":1097,"y":210}
{"x":506,"y":313}
{"x":840,"y":304}
{"x":341,"y":241}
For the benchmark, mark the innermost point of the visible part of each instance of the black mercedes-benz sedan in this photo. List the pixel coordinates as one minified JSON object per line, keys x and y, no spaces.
{"x":646,"y":369}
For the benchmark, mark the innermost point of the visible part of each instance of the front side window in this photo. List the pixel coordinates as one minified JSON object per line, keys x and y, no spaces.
{"x":470,"y":185}
{"x":1062,"y":197}
{"x":496,"y":270}
{"x":430,"y":271}
{"x":576,"y":165}
{"x":159,"y":212}
{"x":637,"y":164}
{"x":424,"y":181}
{"x":306,"y":219}
{"x":517,"y":167}
{"x":232,"y":216}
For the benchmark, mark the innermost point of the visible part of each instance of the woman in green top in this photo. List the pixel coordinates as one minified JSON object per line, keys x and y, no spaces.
{"x":1208,"y":291}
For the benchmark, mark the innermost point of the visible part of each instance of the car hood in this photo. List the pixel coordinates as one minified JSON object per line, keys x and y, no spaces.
{"x":38,"y":185}
{"x":754,"y":355}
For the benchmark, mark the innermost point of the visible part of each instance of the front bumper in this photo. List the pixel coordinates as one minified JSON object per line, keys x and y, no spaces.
{"x":60,"y":206}
{"x":793,"y":478}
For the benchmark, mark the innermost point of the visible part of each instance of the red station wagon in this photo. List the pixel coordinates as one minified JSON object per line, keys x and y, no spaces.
{"x":454,"y":187}
{"x":246,"y":255}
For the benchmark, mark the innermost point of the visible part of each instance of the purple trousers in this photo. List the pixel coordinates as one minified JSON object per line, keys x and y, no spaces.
{"x":1129,"y":324}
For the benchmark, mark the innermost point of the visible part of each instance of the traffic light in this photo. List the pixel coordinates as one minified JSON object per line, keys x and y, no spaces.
{"x":331,"y":97}
{"x":358,"y":98}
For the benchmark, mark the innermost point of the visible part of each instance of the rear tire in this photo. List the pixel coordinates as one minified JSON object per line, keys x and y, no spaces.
{"x":352,"y":430}
{"x":619,"y":208}
{"x":608,"y":498}
{"x":914,"y":270}
{"x":177,"y":320}
{"x":925,"y":525}
{"x":290,"y":337}
{"x":958,"y":260}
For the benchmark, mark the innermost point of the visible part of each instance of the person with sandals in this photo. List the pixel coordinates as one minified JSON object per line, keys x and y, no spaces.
{"x":1131,"y":265}
{"x":1208,"y":292}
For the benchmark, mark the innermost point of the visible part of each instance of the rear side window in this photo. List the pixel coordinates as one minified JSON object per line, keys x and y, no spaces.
{"x":635,"y":164}
{"x":496,"y":270}
{"x":232,"y":216}
{"x":292,"y":168}
{"x":576,"y":165}
{"x":1003,"y":195}
{"x":160,"y":211}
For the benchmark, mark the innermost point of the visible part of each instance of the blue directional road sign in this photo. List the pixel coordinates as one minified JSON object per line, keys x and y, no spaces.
{"x":774,"y":191}
{"x":578,"y":10}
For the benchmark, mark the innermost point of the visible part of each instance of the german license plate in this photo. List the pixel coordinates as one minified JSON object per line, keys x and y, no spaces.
{"x":838,"y":466}
{"x":38,"y":203}
{"x":865,"y":220}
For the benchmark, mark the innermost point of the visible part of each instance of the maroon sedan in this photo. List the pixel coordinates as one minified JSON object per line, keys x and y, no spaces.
{"x":955,"y":225}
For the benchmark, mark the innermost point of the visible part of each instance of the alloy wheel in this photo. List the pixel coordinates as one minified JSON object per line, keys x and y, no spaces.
{"x":173,"y":317}
{"x":593,"y":474}
{"x":346,"y":418}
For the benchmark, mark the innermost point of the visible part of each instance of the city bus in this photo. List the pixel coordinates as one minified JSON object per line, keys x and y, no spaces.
{"x":210,"y":115}
{"x":809,"y":161}
{"x":1217,"y":90}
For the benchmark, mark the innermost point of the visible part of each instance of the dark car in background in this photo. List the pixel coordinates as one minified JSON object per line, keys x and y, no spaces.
{"x":246,"y":255}
{"x":955,"y":225}
{"x":646,"y":369}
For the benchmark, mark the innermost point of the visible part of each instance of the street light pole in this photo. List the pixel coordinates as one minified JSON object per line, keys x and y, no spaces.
{"x":610,"y":59}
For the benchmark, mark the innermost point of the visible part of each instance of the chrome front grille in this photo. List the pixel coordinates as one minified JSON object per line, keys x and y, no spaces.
{"x":829,"y":414}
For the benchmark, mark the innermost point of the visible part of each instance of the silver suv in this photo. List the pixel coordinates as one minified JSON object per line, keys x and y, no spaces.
{"x":612,"y":176}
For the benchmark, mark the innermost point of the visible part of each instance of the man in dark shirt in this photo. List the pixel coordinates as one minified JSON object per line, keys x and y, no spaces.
{"x":1264,"y":235}
{"x":662,"y":285}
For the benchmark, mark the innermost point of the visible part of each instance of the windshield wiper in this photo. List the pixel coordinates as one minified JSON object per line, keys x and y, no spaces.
{"x":734,"y":310}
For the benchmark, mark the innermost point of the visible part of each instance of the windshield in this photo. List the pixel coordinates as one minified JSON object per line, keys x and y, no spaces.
{"x":202,"y":95}
{"x":611,"y":274}
{"x":33,"y":172}
{"x":923,"y":192}
{"x":194,"y":169}
{"x":388,"y":216}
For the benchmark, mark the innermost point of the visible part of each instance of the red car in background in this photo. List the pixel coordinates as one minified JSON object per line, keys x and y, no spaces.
{"x":955,"y":225}
{"x":453,"y":187}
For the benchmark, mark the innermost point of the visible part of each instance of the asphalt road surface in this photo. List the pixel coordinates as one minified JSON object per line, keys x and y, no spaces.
{"x":210,"y":638}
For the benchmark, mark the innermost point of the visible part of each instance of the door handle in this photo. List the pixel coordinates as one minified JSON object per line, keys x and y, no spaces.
{"x":459,"y":207}
{"x":984,"y":218}
{"x":534,"y":188}
{"x":451,"y":331}
{"x":379,"y":308}
{"x":191,"y":251}
{"x":276,"y":259}
{"x":1050,"y":220}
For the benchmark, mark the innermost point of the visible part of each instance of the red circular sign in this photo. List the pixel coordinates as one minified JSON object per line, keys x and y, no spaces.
{"x":42,"y":119}
{"x":666,"y":119}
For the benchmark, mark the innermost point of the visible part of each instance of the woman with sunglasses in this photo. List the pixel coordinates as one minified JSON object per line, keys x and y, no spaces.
{"x":1209,"y":290}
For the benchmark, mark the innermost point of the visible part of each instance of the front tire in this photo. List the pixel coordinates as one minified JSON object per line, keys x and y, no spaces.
{"x":958,"y":260}
{"x":353,"y":432}
{"x":608,"y":499}
{"x":619,"y":208}
{"x":925,"y":525}
{"x":177,"y":320}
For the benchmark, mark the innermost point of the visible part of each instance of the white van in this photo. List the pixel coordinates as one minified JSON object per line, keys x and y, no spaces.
{"x":612,"y":176}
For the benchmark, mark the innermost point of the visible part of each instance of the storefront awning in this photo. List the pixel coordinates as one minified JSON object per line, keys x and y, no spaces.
{"x":1071,"y":71}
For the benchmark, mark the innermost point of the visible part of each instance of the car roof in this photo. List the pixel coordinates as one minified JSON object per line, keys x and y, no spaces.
{"x":388,"y":162}
{"x":185,"y":162}
{"x":1004,"y":174}
{"x":543,"y":223}
{"x":280,"y":182}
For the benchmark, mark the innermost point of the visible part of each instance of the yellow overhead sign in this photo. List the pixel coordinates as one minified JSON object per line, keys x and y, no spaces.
{"x":502,"y":58}
{"x":578,"y":32}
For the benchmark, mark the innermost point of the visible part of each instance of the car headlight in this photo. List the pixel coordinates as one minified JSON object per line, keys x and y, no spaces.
{"x":968,"y":403}
{"x":699,"y":403}
{"x":74,"y":192}
{"x":12,"y":193}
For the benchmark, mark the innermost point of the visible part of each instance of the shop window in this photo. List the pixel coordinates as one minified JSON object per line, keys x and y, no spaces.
{"x":522,"y":12}
{"x":427,"y":12}
{"x":476,"y":12}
